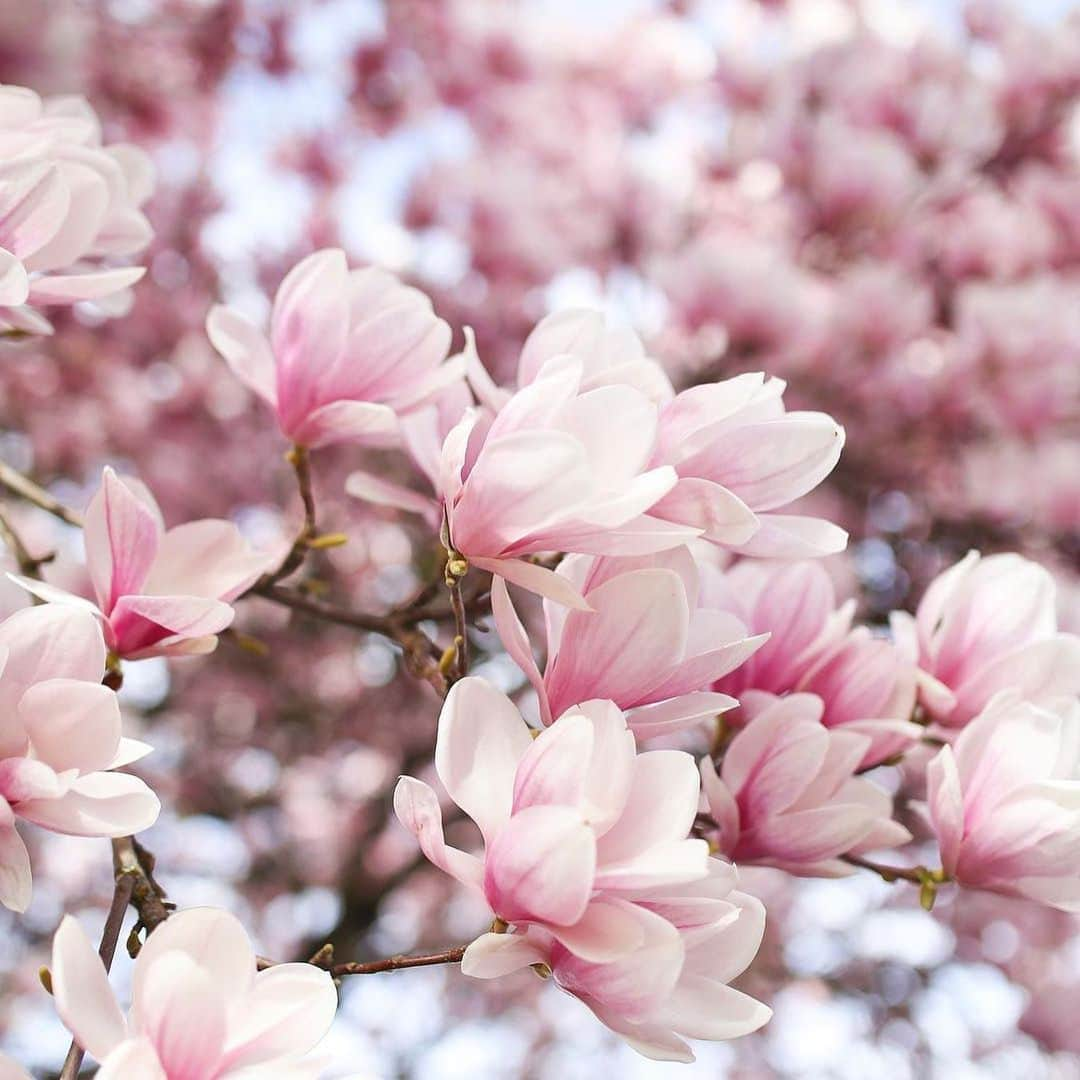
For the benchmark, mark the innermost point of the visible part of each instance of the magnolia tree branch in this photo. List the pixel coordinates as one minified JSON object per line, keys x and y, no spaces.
{"x":134,"y":862}
{"x":399,"y":962}
{"x":324,"y":959}
{"x":927,"y":880}
{"x":29,"y":565}
{"x":420,"y":653}
{"x":24,"y":487}
{"x":299,"y":460}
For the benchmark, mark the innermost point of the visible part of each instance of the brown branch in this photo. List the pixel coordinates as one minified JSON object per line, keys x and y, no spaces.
{"x":325,"y":956}
{"x":887,"y":873}
{"x":25,"y":488}
{"x":298,"y":458}
{"x":133,"y":862}
{"x":461,"y":629}
{"x":399,"y":963}
{"x":110,"y":935}
{"x":29,"y":565}
{"x":420,"y":652}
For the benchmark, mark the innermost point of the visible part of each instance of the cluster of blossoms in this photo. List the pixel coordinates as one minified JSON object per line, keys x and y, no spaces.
{"x":677,"y":605}
{"x":67,"y":204}
{"x":680,"y":599}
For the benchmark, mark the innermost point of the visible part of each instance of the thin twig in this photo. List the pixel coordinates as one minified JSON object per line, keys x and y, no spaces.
{"x":29,"y":565}
{"x":461,"y":630}
{"x":110,"y":935}
{"x":132,"y":861}
{"x":24,"y":487}
{"x":399,"y":963}
{"x":299,"y":460}
{"x":928,"y":880}
{"x":324,"y":959}
{"x":914,"y":874}
{"x":420,"y":652}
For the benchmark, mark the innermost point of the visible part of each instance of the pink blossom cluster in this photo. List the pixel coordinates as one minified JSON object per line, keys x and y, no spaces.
{"x":696,"y":686}
{"x":602,"y":860}
{"x":67,"y":204}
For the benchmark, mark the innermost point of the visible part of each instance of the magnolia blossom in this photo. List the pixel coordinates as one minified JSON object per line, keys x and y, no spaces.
{"x":985,"y":625}
{"x":739,"y":455}
{"x":559,"y":468}
{"x":866,"y":683}
{"x":787,"y":794}
{"x":159,"y":592}
{"x":649,"y":644}
{"x":1004,"y":801}
{"x":349,"y":351}
{"x":693,"y":940}
{"x":199,"y":1007}
{"x":66,"y":204}
{"x":60,"y":735}
{"x":609,"y":353}
{"x":574,"y":821}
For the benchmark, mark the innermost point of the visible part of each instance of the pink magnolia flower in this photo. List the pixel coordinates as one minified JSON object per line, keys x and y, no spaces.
{"x":573,"y":821}
{"x":349,"y":351}
{"x":199,"y":1007}
{"x":787,"y":794}
{"x":866,"y":683}
{"x":693,"y":940}
{"x":159,"y":592}
{"x":795,"y":603}
{"x":559,"y":468}
{"x":66,"y":204}
{"x":1004,"y":801}
{"x":60,"y":737}
{"x":985,"y":625}
{"x":610,"y":354}
{"x":649,"y":644}
{"x":739,"y":455}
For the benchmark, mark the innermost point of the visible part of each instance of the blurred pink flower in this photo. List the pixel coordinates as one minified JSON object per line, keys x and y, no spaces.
{"x":866,"y":683}
{"x":199,"y":1006}
{"x":1004,"y":801}
{"x":159,"y":592}
{"x":692,"y":940}
{"x":559,"y":468}
{"x":574,"y":821}
{"x":984,"y":625}
{"x":349,"y":352}
{"x":739,"y":454}
{"x":648,"y":644}
{"x":66,"y":204}
{"x":60,"y":738}
{"x":12,"y":1070}
{"x":788,"y":796}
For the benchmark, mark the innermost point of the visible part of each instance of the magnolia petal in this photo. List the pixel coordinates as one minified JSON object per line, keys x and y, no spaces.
{"x":82,"y":993}
{"x":245,"y":349}
{"x":417,"y":808}
{"x":481,"y":739}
